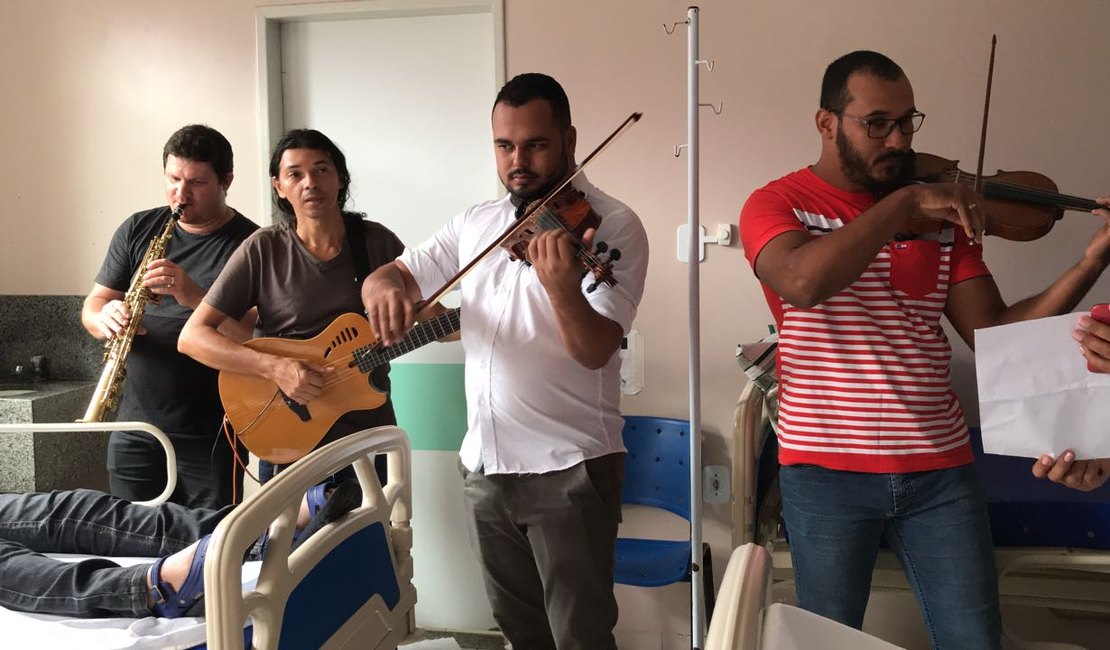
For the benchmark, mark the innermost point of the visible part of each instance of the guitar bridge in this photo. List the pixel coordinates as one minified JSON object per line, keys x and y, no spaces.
{"x":300,"y":410}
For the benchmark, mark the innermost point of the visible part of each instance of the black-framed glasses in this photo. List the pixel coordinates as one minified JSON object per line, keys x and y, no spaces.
{"x":881,"y":127}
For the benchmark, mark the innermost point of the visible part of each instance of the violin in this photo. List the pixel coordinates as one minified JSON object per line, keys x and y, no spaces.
{"x":570,"y":211}
{"x":1019,"y":205}
{"x":574,"y":205}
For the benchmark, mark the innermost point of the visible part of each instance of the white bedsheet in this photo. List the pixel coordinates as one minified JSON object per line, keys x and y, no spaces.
{"x":23,"y":630}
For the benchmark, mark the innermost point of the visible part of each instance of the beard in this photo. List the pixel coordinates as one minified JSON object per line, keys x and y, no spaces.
{"x":860,"y":172}
{"x":537,"y":192}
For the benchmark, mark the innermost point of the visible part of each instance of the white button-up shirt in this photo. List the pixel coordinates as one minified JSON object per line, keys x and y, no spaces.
{"x":531,"y":408}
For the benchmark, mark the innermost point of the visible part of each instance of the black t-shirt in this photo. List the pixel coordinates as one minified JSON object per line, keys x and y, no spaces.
{"x":163,"y":386}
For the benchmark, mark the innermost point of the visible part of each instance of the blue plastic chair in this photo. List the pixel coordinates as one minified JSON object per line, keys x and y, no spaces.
{"x":657,"y":474}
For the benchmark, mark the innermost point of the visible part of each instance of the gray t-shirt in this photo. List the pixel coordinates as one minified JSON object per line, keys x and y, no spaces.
{"x":298,"y":295}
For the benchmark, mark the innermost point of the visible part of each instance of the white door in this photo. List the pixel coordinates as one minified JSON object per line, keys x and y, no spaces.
{"x":408,"y":100}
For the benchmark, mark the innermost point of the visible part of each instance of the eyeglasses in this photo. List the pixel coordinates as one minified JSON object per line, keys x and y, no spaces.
{"x":881,"y":127}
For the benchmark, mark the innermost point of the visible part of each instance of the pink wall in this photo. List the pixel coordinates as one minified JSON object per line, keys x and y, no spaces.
{"x":91,"y":91}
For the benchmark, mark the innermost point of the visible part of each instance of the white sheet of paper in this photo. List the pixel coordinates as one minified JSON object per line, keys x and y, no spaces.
{"x":1036,"y":395}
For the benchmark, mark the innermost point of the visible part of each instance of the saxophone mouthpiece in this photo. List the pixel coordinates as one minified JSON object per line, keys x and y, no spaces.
{"x":178,"y":211}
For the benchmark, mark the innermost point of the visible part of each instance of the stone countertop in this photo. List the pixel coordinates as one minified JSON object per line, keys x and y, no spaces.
{"x":45,"y":401}
{"x":48,"y":460}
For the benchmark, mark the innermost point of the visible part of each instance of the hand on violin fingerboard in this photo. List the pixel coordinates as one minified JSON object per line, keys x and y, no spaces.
{"x":553,"y":255}
{"x":952,"y":203}
{"x":1103,"y":200}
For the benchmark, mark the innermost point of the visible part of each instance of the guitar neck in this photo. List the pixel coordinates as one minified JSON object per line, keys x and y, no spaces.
{"x":371,"y":356}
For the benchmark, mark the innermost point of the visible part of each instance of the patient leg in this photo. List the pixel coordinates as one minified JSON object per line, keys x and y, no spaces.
{"x":84,"y":521}
{"x":93,"y":588}
{"x":88,"y":521}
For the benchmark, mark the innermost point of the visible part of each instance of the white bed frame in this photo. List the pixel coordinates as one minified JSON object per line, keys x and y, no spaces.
{"x":227,"y":606}
{"x":745,"y":618}
{"x":374,"y":625}
{"x":158,"y":434}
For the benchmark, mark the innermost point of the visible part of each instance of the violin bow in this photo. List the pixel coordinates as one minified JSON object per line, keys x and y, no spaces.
{"x":978,"y":185}
{"x":536,"y":206}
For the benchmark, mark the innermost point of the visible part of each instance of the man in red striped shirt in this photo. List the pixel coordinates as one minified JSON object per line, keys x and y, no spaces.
{"x":872,"y":440}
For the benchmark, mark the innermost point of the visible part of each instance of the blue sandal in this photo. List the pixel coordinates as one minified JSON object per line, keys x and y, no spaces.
{"x":344,"y":498}
{"x":316,"y":496}
{"x":189,"y":599}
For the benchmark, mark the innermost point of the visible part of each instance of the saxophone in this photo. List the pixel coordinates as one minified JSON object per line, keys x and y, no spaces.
{"x":105,"y":398}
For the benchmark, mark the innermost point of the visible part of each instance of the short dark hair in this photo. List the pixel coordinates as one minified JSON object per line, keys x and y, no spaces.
{"x":201,"y":143}
{"x":523,"y":88}
{"x":834,"y":86}
{"x":309,"y":139}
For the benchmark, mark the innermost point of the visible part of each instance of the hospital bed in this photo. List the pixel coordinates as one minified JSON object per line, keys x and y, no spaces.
{"x":746,"y":619}
{"x":1051,"y":542}
{"x":349,"y":586}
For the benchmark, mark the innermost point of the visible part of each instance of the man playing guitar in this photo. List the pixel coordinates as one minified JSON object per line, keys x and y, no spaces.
{"x":301,"y":275}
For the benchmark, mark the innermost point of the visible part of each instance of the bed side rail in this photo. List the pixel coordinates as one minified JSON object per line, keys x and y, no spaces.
{"x":159,"y":435}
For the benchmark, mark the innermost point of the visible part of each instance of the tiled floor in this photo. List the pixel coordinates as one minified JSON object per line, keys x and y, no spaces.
{"x":467,"y":640}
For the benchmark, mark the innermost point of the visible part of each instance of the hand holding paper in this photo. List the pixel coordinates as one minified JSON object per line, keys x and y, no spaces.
{"x":1036,"y":395}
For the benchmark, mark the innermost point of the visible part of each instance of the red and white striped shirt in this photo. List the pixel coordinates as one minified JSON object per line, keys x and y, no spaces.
{"x":865,"y":382}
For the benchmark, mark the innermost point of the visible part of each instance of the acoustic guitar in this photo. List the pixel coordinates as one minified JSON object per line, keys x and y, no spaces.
{"x":276,"y":428}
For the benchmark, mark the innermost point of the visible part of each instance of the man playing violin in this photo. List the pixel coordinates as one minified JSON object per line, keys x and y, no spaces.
{"x":300,"y":274}
{"x":872,"y":440}
{"x":542,"y":458}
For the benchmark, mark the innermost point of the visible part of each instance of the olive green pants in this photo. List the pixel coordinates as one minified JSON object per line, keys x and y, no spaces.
{"x":546,"y":544}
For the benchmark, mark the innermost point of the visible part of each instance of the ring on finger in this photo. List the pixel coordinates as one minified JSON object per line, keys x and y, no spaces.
{"x":971,"y":206}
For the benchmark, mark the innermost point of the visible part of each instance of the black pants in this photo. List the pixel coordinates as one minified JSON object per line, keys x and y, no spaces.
{"x":207,"y":475}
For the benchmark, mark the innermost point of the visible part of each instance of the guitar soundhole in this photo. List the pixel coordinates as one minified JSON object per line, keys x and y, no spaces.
{"x":345,"y":335}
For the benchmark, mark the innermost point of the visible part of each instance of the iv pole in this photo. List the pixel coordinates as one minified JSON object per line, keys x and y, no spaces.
{"x":697,"y":576}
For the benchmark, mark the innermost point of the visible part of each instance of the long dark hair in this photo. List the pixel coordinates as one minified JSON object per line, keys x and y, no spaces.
{"x":309,"y":139}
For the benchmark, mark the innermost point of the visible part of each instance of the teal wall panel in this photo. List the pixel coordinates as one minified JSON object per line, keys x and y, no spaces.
{"x":431,"y":404}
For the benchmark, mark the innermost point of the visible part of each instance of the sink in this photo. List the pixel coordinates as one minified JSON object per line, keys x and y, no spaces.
{"x":16,"y":389}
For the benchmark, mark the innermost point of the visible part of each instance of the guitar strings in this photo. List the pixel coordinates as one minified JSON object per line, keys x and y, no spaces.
{"x":344,"y":370}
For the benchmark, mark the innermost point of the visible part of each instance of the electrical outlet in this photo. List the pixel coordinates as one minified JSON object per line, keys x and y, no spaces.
{"x":715,"y":484}
{"x":724,"y":234}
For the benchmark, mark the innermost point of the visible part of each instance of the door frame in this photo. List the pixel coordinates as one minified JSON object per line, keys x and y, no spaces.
{"x":268,"y":22}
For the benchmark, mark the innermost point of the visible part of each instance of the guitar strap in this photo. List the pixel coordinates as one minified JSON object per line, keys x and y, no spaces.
{"x":357,"y":242}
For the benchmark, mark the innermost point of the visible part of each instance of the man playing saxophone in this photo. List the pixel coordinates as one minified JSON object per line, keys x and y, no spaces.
{"x":162,"y":386}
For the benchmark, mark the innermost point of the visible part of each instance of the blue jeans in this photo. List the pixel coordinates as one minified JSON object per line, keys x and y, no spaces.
{"x":935,"y":522}
{"x":91,"y":522}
